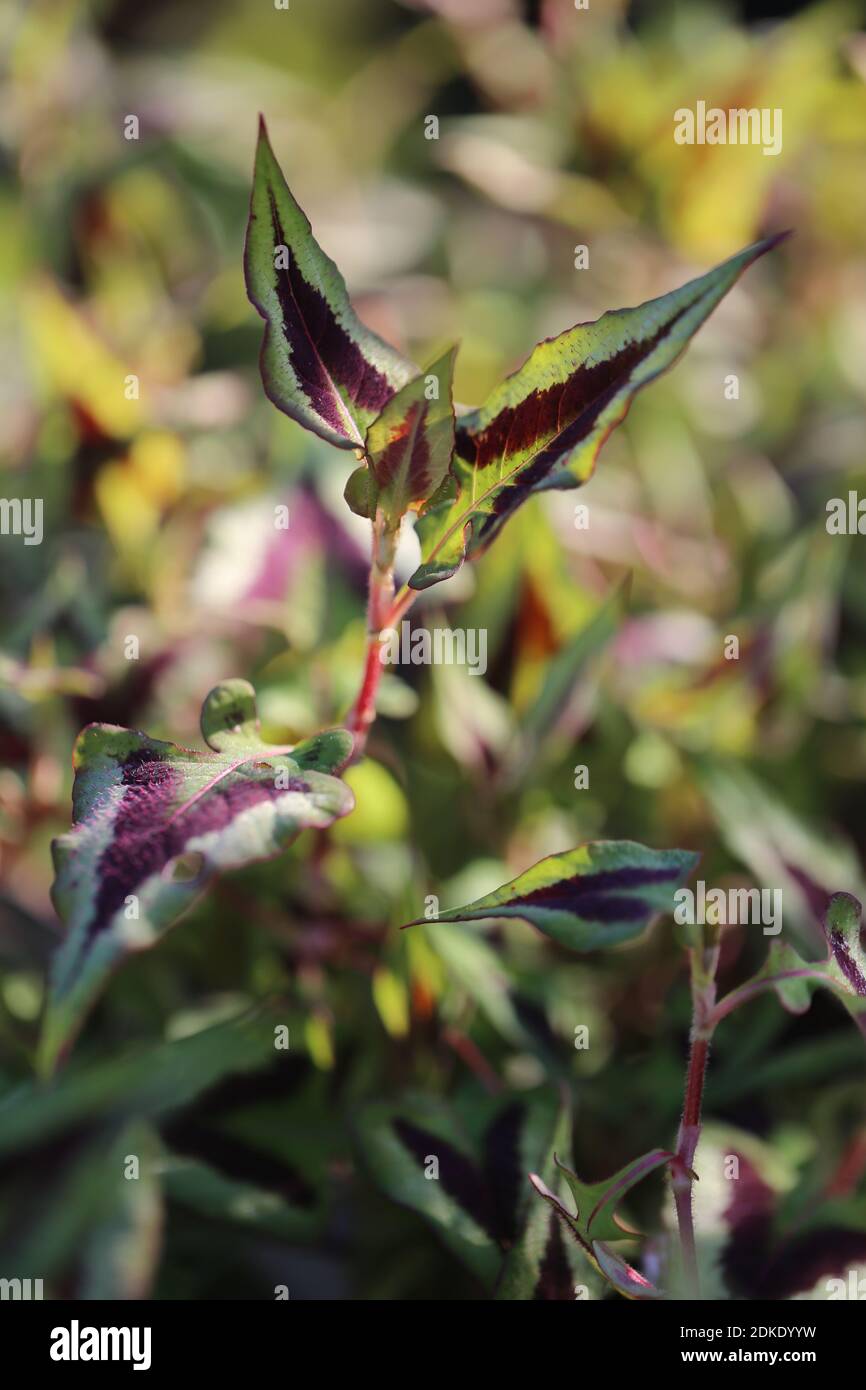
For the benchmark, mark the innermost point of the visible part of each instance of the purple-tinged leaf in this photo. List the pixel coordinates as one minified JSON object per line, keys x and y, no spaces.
{"x":624,"y":1277}
{"x":153,"y":822}
{"x":769,"y":1256}
{"x":543,"y":426}
{"x":478,"y":1201}
{"x":794,"y":979}
{"x":847,"y":964}
{"x":598,"y":895}
{"x":544,"y":1263}
{"x":319,"y":363}
{"x":408,"y":447}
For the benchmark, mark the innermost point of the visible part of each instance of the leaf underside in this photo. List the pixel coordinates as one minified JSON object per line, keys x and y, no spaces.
{"x":543,"y":426}
{"x":152,"y":823}
{"x":598,"y":895}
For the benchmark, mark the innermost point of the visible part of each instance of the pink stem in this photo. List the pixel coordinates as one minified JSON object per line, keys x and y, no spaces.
{"x":754,"y":987}
{"x":382,"y":612}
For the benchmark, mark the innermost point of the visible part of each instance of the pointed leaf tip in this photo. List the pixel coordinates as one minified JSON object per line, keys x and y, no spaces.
{"x":598,"y":895}
{"x":549,"y":419}
{"x":319,"y":364}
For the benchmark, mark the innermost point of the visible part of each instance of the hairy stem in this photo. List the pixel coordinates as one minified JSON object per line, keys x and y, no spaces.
{"x":703,"y":971}
{"x":683,"y":1171}
{"x":752,"y":988}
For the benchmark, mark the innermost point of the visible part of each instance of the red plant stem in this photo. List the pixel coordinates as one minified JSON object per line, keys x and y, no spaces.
{"x":382,"y":612}
{"x":364,"y":710}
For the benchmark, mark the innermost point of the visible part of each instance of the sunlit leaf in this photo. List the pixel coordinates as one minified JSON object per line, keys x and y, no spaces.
{"x":153,"y":822}
{"x":544,"y":425}
{"x":408,"y":447}
{"x":319,"y":363}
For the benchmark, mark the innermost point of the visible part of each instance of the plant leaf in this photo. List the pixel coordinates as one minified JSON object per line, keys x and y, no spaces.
{"x":594,"y":1221}
{"x":479,"y":1202}
{"x":408,"y":446}
{"x":598,"y":895}
{"x":544,"y":425}
{"x":140,"y":1082}
{"x":475,"y":967}
{"x":541,"y":1266}
{"x":143,"y":808}
{"x":206,"y":1190}
{"x":120,"y":1256}
{"x":795,"y":979}
{"x":398,"y":1143}
{"x":319,"y":363}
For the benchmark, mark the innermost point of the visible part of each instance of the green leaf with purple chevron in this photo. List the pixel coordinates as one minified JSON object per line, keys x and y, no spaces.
{"x":153,"y":822}
{"x":408,"y":447}
{"x":597,"y":895}
{"x":319,"y":364}
{"x":464,"y":1172}
{"x":543,"y":426}
{"x":594,"y":1221}
{"x":545,"y":1263}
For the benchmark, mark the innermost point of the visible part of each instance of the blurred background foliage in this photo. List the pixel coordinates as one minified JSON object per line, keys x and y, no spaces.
{"x":122,"y":258}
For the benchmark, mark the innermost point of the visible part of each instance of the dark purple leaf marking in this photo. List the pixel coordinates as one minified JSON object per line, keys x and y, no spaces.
{"x":503,"y":1168}
{"x":457,"y":1174}
{"x":849,"y":967}
{"x":239,"y":1160}
{"x":322,"y":352}
{"x":759,"y":1263}
{"x":554,"y":1282}
{"x":589,"y":895}
{"x":149,"y":831}
{"x":573,"y":404}
{"x":388,"y":463}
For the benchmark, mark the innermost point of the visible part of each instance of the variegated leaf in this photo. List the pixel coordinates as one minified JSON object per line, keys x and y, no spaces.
{"x":545,"y":1264}
{"x":594,"y":896}
{"x":467,"y":1181}
{"x":795,"y":980}
{"x":544,"y":425}
{"x":152,"y":822}
{"x":319,"y":363}
{"x":408,"y":447}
